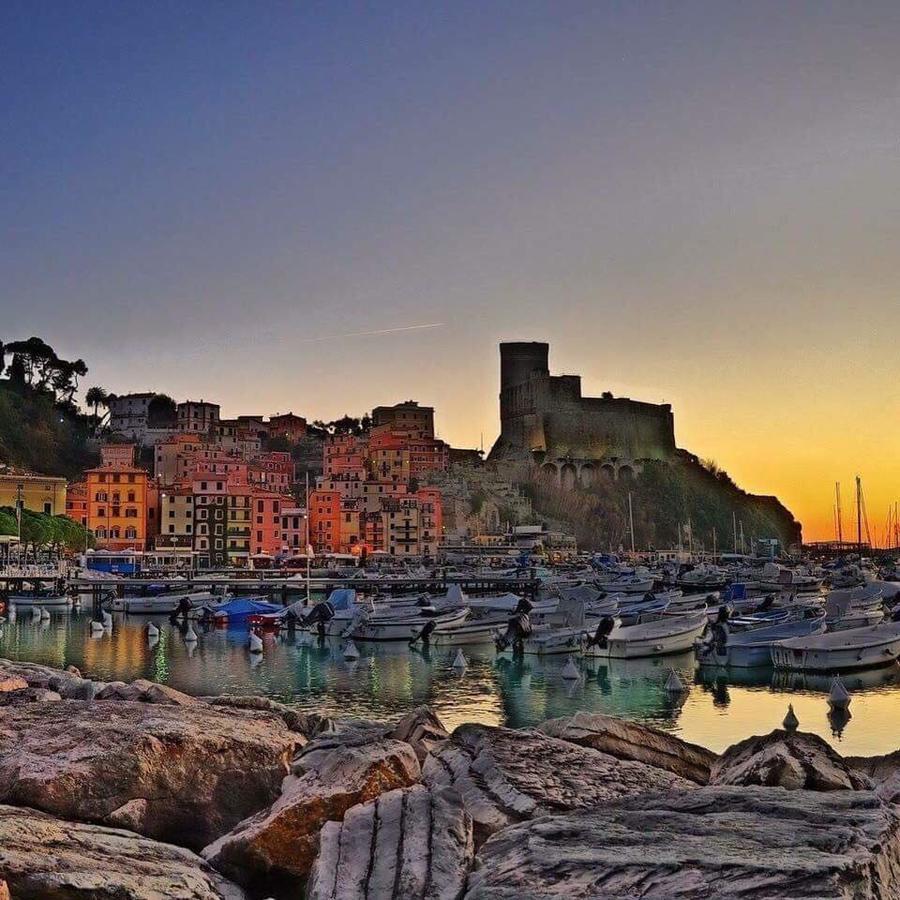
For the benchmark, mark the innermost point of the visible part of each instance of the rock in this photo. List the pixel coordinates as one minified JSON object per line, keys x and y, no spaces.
{"x":10,"y":683}
{"x":792,"y":760}
{"x":44,"y":858}
{"x":307,"y":724}
{"x":422,"y":729}
{"x":714,"y":843}
{"x":143,"y":691}
{"x":74,"y":670}
{"x":28,"y":695}
{"x":282,"y":841}
{"x":69,"y":685}
{"x":506,"y":776}
{"x":412,"y":844}
{"x":878,"y":768}
{"x":629,"y":740}
{"x":4,"y":890}
{"x":341,"y":733}
{"x":199,"y":769}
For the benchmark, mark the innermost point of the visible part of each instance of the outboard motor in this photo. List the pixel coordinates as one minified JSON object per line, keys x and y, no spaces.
{"x":181,"y":611}
{"x":601,"y":635}
{"x":524,"y":606}
{"x":767,"y":603}
{"x":424,"y":634}
{"x":320,"y":614}
{"x":517,"y":630}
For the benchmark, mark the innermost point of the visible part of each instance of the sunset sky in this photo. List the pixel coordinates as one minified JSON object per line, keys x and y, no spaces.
{"x":696,"y":203}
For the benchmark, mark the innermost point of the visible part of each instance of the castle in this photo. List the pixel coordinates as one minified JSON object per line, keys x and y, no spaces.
{"x":545,"y":418}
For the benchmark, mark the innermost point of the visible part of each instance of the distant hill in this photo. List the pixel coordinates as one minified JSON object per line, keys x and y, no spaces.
{"x":663,"y":495}
{"x":40,"y":435}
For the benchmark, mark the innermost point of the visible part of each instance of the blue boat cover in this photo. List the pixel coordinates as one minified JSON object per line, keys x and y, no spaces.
{"x":244,"y":607}
{"x":342,"y":598}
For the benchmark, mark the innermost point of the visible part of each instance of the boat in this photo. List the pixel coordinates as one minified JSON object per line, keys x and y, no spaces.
{"x":853,"y":648}
{"x":670,"y":634}
{"x":39,"y":599}
{"x":406,"y":626}
{"x":854,"y":608}
{"x":777,"y":578}
{"x":239,"y":611}
{"x":740,"y":645}
{"x":160,"y":603}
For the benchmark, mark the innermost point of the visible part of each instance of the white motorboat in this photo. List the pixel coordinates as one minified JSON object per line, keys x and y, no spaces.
{"x":401,"y":627}
{"x":748,"y":648}
{"x":854,"y":648}
{"x":854,"y":608}
{"x":671,"y":634}
{"x":39,"y":600}
{"x":777,"y":578}
{"x":161,"y":604}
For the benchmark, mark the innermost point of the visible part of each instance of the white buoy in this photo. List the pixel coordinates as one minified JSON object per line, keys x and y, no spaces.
{"x":190,"y":636}
{"x":35,"y":614}
{"x":45,"y":615}
{"x":838,"y":696}
{"x":791,"y":722}
{"x":107,"y":620}
{"x":256,"y":644}
{"x":674,"y":684}
{"x":351,"y":651}
{"x":570,"y":670}
{"x":460,"y":663}
{"x":153,"y":640}
{"x":152,"y":630}
{"x":96,"y":626}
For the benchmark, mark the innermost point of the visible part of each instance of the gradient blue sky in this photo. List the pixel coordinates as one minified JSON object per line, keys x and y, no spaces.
{"x":694,"y":202}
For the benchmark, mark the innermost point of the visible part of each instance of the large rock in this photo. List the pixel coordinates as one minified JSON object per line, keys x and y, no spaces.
{"x":143,"y":691}
{"x":878,"y":768}
{"x":44,"y":858}
{"x":790,"y":760}
{"x":69,"y":684}
{"x":282,"y":842}
{"x":506,"y":776}
{"x":307,"y":724}
{"x":748,"y":843}
{"x":629,"y":740}
{"x":181,"y":774}
{"x":413,"y":844}
{"x":422,"y":729}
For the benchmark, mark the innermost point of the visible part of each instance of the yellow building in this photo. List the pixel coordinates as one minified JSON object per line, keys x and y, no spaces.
{"x":39,"y":493}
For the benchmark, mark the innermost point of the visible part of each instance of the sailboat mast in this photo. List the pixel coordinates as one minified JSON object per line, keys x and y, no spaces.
{"x":631,"y":522}
{"x":859,"y":513}
{"x":837,"y":499}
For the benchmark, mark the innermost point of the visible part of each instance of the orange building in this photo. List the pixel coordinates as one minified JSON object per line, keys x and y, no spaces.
{"x":344,"y":454}
{"x":265,"y":529}
{"x":325,"y":521}
{"x":288,"y":426}
{"x":76,"y":503}
{"x":122,"y":507}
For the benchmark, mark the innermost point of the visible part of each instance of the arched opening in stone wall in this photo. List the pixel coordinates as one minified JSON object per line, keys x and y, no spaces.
{"x":548,"y":470}
{"x":626,"y":473}
{"x":569,"y":477}
{"x":608,"y":471}
{"x":587,"y":475}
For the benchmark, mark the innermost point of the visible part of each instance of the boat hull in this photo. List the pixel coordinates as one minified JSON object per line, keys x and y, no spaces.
{"x":50,"y":602}
{"x":842,"y":651}
{"x":660,"y":638}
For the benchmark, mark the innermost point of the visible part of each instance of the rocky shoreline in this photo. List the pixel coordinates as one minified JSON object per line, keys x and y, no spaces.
{"x":137,"y":791}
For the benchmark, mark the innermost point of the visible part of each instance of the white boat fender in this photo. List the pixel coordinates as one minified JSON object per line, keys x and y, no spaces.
{"x":45,"y":615}
{"x":107,"y":620}
{"x":838,"y":696}
{"x":460,"y":664}
{"x":791,"y":723}
{"x":190,"y":636}
{"x":256,"y":644}
{"x":570,"y":670}
{"x":674,"y":684}
{"x":96,"y":626}
{"x":351,"y":651}
{"x":152,"y":631}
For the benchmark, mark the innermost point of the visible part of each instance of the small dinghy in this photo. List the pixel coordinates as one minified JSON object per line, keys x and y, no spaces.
{"x":671,"y":634}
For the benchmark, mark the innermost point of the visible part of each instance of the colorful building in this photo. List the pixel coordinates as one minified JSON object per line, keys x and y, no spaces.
{"x":39,"y":493}
{"x":121,"y":507}
{"x":197,"y":416}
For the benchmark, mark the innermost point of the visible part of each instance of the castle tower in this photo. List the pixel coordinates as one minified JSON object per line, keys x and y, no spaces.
{"x":519,"y":360}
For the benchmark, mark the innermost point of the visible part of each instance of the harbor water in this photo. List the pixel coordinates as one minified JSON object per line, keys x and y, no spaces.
{"x":716,"y":709}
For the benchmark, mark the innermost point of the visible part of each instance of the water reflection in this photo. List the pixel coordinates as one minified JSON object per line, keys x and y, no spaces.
{"x":717,"y":708}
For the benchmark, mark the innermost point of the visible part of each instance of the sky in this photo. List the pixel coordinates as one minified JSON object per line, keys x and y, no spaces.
{"x":695,"y":203}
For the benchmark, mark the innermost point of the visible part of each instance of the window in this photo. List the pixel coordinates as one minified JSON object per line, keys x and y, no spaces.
{"x":131,"y":496}
{"x":171,"y":529}
{"x":187,"y":529}
{"x":48,"y":507}
{"x":100,"y":532}
{"x":130,"y":533}
{"x":101,"y":512}
{"x":259,"y":536}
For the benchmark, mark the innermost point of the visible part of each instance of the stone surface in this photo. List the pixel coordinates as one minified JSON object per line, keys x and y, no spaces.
{"x":747,"y":843}
{"x":422,"y":729}
{"x":70,"y":685}
{"x":307,"y":724}
{"x":10,"y":683}
{"x":336,"y":735}
{"x":143,"y":691}
{"x":506,"y":776}
{"x":629,"y":740}
{"x":28,"y":695}
{"x":878,"y":768}
{"x":200,"y":770}
{"x":283,"y":841}
{"x":793,"y":761}
{"x":412,"y":844}
{"x":45,"y":858}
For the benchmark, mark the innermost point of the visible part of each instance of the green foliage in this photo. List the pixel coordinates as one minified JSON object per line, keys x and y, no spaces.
{"x":39,"y":435}
{"x":45,"y":532}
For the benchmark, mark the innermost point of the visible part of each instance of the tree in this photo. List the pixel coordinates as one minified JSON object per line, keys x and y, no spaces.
{"x":162,"y":412}
{"x":96,"y":397}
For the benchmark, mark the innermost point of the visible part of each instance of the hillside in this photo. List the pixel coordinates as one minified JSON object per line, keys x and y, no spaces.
{"x":663,"y":496}
{"x":41,"y":435}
